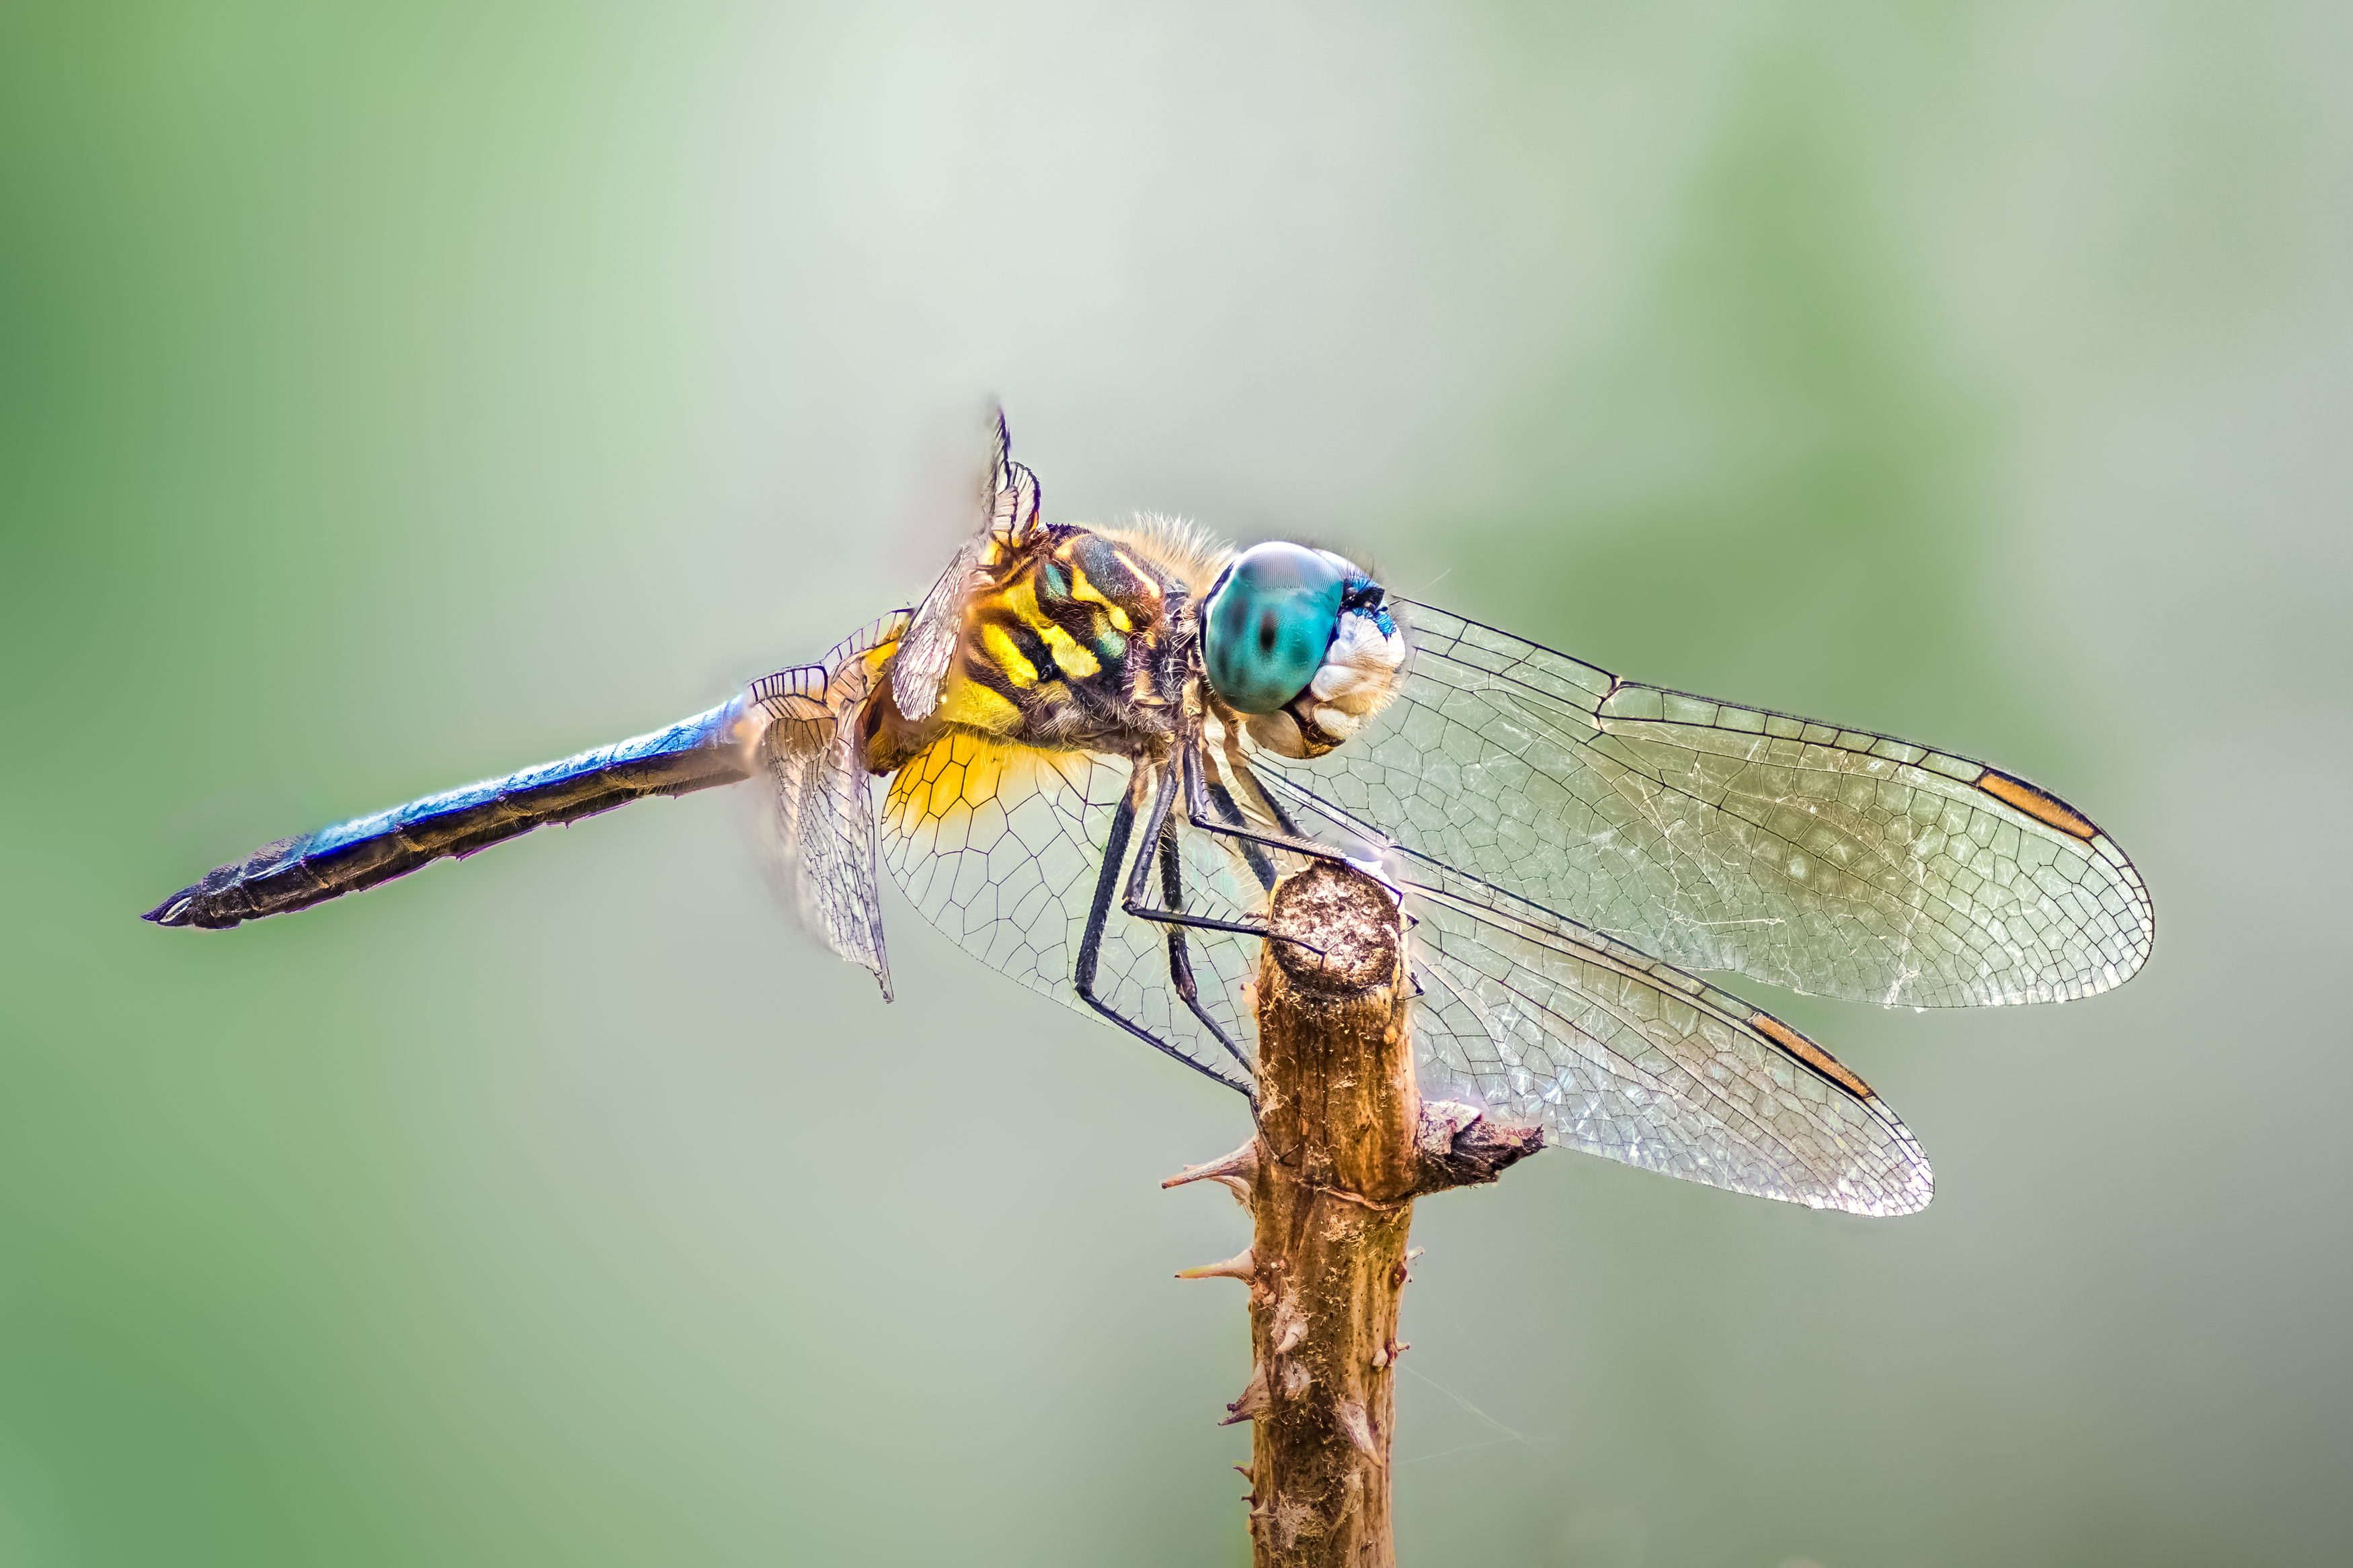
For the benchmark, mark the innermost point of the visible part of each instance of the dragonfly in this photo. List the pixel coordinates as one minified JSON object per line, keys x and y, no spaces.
{"x":1090,"y":752}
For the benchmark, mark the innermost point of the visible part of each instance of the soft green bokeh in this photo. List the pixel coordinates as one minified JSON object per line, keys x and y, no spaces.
{"x":395,"y":395}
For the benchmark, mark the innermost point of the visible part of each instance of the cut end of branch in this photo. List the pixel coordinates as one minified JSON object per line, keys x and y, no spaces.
{"x":1458,"y":1146}
{"x":1343,"y":930}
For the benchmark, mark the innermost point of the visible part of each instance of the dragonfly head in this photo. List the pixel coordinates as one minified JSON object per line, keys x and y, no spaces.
{"x":1300,"y":643}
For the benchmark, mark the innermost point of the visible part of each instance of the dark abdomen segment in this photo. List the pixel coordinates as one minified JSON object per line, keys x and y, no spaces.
{"x":295,"y":873}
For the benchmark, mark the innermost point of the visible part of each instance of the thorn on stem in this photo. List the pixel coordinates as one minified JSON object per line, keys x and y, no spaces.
{"x":1236,"y":1171}
{"x":1359,"y":1428}
{"x":1242,"y":1264}
{"x":1290,"y":1326}
{"x":1253,"y":1402}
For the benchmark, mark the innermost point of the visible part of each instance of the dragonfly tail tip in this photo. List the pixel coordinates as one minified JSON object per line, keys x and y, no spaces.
{"x":173,"y":911}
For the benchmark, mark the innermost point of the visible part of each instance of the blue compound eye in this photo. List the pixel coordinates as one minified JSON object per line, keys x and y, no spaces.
{"x":1268,"y":624}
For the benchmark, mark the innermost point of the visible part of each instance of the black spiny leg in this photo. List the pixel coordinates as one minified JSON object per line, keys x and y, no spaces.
{"x":1180,"y":960}
{"x":1135,"y":905}
{"x":1282,"y":817}
{"x":1229,"y":822}
{"x":1260,"y":863}
{"x":1123,"y":828}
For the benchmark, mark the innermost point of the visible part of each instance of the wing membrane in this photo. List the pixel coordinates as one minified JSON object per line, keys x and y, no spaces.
{"x":821,"y":816}
{"x":1000,"y":848}
{"x":1827,"y":860}
{"x":1540,"y":1017}
{"x":1006,"y":505}
{"x":1624,"y":1055}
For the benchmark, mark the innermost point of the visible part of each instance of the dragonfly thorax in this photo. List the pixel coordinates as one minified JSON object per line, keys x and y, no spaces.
{"x":1068,"y":643}
{"x":1077,"y":638}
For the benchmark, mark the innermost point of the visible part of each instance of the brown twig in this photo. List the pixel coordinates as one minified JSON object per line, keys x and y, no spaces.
{"x":1345,"y":1144}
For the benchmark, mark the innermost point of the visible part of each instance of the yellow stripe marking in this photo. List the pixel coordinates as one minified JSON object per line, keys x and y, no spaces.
{"x":998,"y":643}
{"x":1071,"y":656}
{"x":1144,"y":578}
{"x":965,"y":702}
{"x":1812,"y":1055}
{"x":1082,"y":589}
{"x":1019,"y":600}
{"x":2046,"y":809}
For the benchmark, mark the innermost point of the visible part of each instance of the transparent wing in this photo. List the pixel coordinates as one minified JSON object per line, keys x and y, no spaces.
{"x":1622,"y":1055}
{"x":923,"y":660}
{"x":1007,"y":502}
{"x":1826,"y":860}
{"x":820,"y":821}
{"x":1535,"y":1017}
{"x":1001,"y":847}
{"x":1541,"y":1019}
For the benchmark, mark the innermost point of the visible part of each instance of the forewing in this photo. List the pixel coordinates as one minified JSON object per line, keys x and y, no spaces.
{"x":923,"y":657}
{"x":1827,"y":860}
{"x":821,"y":800}
{"x":1539,"y":1019}
{"x":1006,"y":504}
{"x":1000,"y":848}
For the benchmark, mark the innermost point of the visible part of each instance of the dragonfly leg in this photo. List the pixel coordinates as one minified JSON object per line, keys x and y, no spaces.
{"x":1218,"y":795}
{"x":1180,"y":962}
{"x":1138,"y":879}
{"x":1282,"y":817}
{"x":1227,"y":821}
{"x":1122,"y":829}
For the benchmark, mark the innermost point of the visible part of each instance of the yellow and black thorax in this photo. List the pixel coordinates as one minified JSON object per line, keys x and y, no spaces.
{"x":1069,"y":640}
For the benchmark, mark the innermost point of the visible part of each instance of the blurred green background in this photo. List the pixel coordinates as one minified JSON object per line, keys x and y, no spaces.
{"x":395,"y":395}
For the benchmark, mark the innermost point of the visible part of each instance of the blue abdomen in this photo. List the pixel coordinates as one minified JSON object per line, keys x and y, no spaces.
{"x":294,"y":873}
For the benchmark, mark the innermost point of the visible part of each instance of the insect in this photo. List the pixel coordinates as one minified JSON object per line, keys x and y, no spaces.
{"x":1090,"y":752}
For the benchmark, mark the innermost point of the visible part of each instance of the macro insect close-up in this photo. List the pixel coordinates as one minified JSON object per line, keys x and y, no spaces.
{"x":1565,"y":775}
{"x":1098,"y":748}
